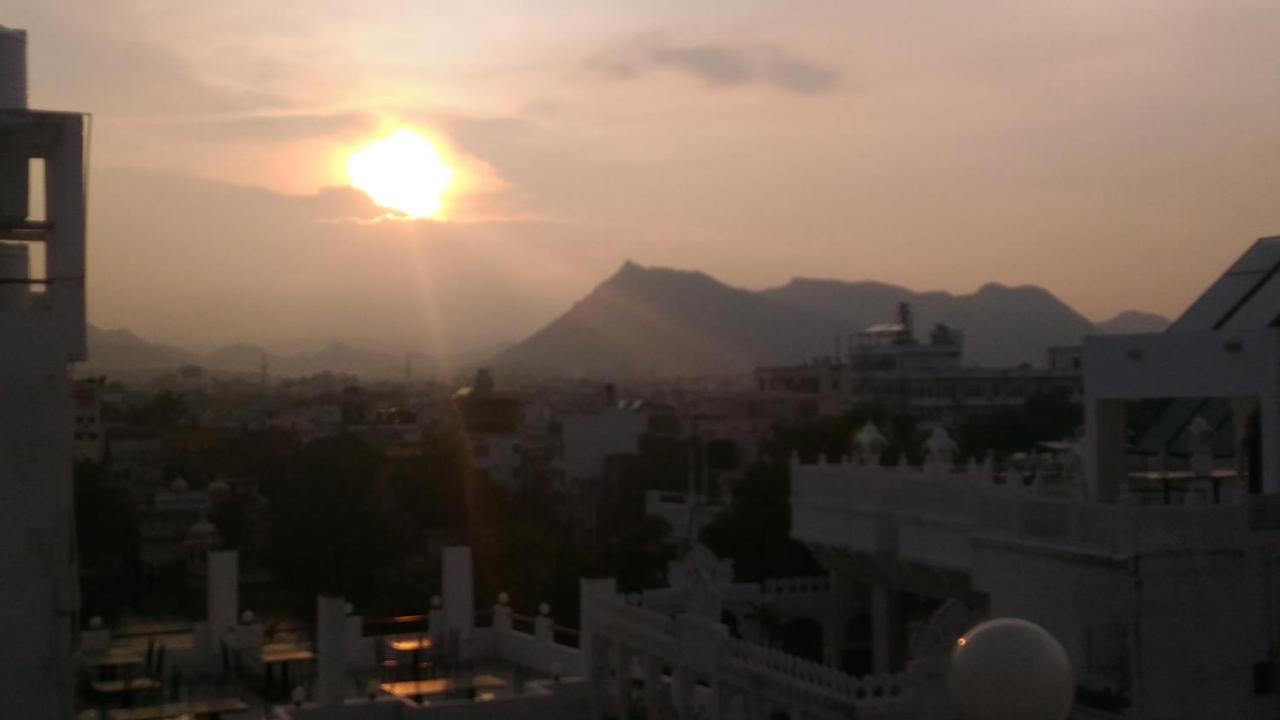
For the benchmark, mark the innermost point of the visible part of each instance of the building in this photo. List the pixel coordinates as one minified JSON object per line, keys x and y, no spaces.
{"x":90,"y":433}
{"x":886,"y":365}
{"x":1157,"y":579}
{"x":492,"y":421}
{"x":42,"y":330}
{"x":590,"y":437}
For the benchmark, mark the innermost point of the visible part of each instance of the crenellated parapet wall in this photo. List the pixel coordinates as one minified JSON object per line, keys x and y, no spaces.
{"x":792,"y":676}
{"x":687,"y":652}
{"x":932,"y":516}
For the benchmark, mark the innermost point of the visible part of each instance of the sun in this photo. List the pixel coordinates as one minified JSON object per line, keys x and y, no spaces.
{"x":401,"y":172}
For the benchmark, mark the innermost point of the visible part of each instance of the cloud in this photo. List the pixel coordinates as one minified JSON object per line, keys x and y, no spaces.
{"x":272,"y":127}
{"x":724,"y":65}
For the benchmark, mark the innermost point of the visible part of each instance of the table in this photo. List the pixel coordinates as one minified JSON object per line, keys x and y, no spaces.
{"x":415,"y":646}
{"x":109,"y":663}
{"x":116,"y":657}
{"x":424,"y":688}
{"x":125,"y":688}
{"x":200,"y":708}
{"x":281,"y":654}
{"x":411,"y":645}
{"x":119,"y":686}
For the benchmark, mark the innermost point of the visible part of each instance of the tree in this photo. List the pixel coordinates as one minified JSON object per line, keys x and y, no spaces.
{"x":329,"y":533}
{"x":755,"y":531}
{"x":638,"y":558}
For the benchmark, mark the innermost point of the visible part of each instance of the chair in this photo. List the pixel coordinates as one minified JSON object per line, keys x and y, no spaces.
{"x":149,"y":656}
{"x":158,"y":669}
{"x":388,"y":667}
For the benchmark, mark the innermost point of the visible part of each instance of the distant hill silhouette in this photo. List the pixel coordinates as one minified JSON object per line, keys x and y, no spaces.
{"x":121,"y":353}
{"x":663,"y":322}
{"x":1134,"y":321}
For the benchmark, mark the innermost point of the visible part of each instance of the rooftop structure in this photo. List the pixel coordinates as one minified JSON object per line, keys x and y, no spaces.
{"x":885,"y":364}
{"x":42,"y":329}
{"x":1155,"y":576}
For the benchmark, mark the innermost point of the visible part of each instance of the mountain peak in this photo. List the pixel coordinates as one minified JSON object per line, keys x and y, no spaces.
{"x":1132,"y":322}
{"x":650,"y":321}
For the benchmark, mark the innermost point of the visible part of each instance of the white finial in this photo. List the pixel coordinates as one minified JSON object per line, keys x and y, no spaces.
{"x":544,"y":609}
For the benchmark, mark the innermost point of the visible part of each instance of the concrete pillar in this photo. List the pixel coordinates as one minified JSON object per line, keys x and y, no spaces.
{"x":459,"y":591}
{"x":331,"y":654}
{"x":589,"y":590}
{"x":653,"y":685}
{"x":682,"y":684}
{"x":223,"y":588}
{"x":543,"y":625}
{"x":359,"y":649}
{"x":598,"y":673}
{"x":502,"y":622}
{"x":1241,"y":410}
{"x":622,"y":671}
{"x":437,"y":622}
{"x":885,"y":612}
{"x":1104,"y":448}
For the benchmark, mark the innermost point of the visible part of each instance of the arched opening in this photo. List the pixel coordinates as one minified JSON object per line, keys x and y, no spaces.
{"x":856,"y":659}
{"x":803,"y":637}
{"x":730,"y":621}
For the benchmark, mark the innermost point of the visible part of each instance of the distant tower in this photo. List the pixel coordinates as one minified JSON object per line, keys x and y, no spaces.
{"x":262,"y":372}
{"x":42,"y":329}
{"x":907,"y":321}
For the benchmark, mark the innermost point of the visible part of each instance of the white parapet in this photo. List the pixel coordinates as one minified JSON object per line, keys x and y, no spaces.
{"x":459,"y":591}
{"x":331,"y":650}
{"x":223,"y":590}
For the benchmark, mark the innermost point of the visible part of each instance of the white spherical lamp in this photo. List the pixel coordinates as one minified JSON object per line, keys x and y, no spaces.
{"x":1011,"y":669}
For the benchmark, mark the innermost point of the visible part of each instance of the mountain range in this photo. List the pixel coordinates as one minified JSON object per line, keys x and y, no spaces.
{"x":655,"y":322}
{"x":660,"y":322}
{"x":121,"y":353}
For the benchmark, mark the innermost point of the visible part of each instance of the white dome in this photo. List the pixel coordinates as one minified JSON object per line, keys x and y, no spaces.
{"x":1011,"y":669}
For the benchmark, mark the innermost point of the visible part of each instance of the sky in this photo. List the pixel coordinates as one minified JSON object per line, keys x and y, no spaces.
{"x":1120,"y":155}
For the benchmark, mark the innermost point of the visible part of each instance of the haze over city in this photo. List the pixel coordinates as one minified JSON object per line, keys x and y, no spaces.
{"x":936,"y":145}
{"x":415,"y":360}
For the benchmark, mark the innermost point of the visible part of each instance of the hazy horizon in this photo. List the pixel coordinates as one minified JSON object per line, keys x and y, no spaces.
{"x":1119,"y":157}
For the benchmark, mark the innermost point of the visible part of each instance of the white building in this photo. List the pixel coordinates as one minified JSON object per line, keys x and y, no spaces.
{"x":590,"y":438}
{"x":42,"y":329}
{"x":1159,"y":581}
